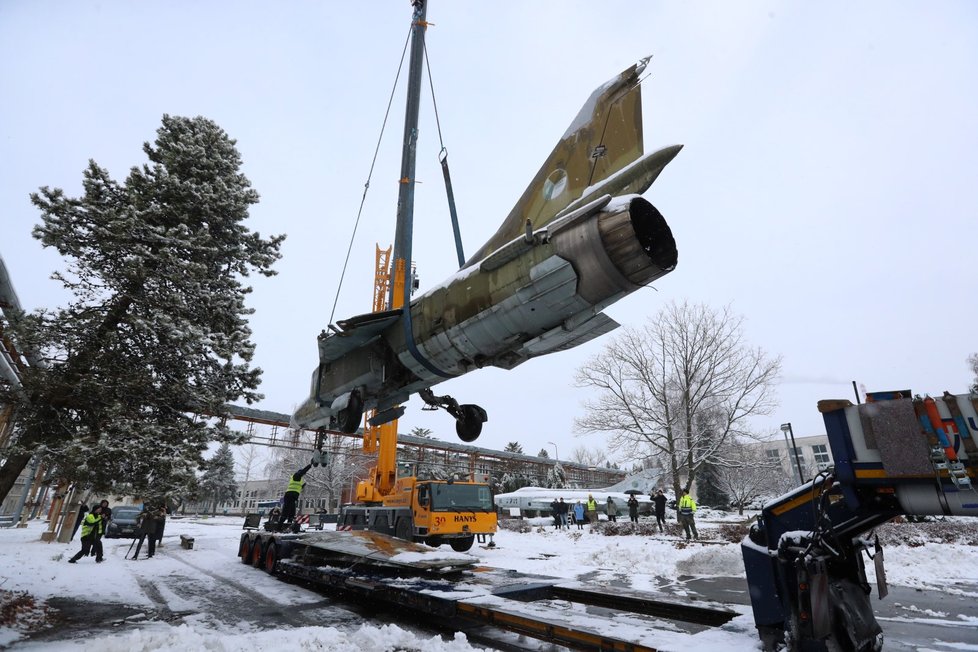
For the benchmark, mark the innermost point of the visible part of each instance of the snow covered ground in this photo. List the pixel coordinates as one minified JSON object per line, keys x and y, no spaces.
{"x":205,"y":599}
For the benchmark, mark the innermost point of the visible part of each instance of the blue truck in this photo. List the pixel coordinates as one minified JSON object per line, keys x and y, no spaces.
{"x":894,"y":455}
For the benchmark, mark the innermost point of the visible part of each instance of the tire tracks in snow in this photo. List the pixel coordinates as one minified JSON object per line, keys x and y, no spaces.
{"x":153,"y":593}
{"x":245,"y":603}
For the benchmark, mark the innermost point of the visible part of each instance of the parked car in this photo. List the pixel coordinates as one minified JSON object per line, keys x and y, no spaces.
{"x":123,"y":523}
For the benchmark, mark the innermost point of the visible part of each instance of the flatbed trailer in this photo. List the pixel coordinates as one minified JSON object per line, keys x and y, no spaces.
{"x":453,"y":591}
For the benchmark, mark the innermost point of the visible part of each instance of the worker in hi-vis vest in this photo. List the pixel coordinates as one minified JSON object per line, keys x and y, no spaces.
{"x":687,"y":511}
{"x":296,"y":483}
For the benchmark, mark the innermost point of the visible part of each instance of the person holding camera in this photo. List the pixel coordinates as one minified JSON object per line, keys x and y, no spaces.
{"x":106,"y":511}
{"x":147,"y":521}
{"x":161,"y":523}
{"x":659,"y":500}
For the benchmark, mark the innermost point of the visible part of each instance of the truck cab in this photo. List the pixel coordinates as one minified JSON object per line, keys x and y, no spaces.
{"x":457,"y":512}
{"x":452,"y":512}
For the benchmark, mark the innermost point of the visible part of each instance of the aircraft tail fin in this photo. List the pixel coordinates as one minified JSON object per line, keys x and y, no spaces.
{"x":604,"y":138}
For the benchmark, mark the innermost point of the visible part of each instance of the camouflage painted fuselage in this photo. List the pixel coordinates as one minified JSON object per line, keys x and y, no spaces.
{"x":579,"y":239}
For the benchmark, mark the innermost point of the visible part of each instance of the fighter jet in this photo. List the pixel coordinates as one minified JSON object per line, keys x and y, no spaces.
{"x":530,"y":499}
{"x":580,"y":238}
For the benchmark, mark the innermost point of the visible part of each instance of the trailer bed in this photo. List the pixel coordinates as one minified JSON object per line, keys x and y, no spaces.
{"x":452,"y":587}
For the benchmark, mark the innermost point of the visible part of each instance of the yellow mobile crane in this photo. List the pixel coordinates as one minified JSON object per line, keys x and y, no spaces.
{"x":453,"y":511}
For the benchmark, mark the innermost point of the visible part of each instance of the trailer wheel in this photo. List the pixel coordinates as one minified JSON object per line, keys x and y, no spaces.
{"x":256,"y":553}
{"x":434,"y":542}
{"x":403,"y":529}
{"x":271,"y":558}
{"x":463,"y":544}
{"x":245,"y":549}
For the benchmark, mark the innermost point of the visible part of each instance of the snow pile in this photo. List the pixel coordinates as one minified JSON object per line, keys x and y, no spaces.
{"x":165,"y":638}
{"x":408,"y":557}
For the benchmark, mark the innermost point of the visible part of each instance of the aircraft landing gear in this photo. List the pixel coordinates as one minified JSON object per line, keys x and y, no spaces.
{"x":318,"y":455}
{"x":468,"y":417}
{"x":349,"y":417}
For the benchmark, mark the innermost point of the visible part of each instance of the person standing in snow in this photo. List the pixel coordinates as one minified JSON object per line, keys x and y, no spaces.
{"x":612,"y":510}
{"x":555,"y":512}
{"x":660,"y":508}
{"x":106,"y":511}
{"x":633,"y":508}
{"x":98,"y":533}
{"x":292,"y":491}
{"x":592,"y":509}
{"x":103,"y":527}
{"x":161,"y":522}
{"x":579,"y":515}
{"x":274,"y":516}
{"x":687,"y":508}
{"x":147,"y":528}
{"x":562,"y":513}
{"x":89,"y":529}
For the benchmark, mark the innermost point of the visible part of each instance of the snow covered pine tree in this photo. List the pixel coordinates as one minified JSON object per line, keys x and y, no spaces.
{"x":156,"y":328}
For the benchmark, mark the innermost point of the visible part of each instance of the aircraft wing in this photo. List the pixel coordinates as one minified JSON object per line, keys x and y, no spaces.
{"x":356,"y":332}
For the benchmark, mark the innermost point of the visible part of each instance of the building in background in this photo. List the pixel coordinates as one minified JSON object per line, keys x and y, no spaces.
{"x":813,"y":453}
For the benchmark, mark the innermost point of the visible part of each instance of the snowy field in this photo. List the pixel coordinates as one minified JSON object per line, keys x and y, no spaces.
{"x":205,"y":599}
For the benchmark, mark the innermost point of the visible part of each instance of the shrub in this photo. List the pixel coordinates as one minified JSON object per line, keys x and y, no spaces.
{"x":733,"y":532}
{"x":515,"y":525}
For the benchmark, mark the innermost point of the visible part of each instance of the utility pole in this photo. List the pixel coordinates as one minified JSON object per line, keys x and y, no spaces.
{"x":786,"y":429}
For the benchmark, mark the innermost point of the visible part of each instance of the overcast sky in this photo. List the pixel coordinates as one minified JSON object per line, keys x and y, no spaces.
{"x":826,"y":190}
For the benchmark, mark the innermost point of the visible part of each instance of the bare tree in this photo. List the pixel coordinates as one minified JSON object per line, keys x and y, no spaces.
{"x":246,"y":459}
{"x":973,"y":363}
{"x":588,"y":456}
{"x":344,"y":463}
{"x":749,"y":474}
{"x":679,"y":388}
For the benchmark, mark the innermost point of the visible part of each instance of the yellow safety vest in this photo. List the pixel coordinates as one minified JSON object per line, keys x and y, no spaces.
{"x":592,"y":505}
{"x":686,"y":501}
{"x":296,"y":485}
{"x":90,"y":523}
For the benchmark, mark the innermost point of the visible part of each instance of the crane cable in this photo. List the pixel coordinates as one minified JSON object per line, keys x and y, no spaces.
{"x":366,"y":186}
{"x":443,"y":159}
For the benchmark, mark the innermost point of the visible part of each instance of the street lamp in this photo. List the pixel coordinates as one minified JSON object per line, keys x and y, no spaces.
{"x":786,"y":429}
{"x":556,"y":457}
